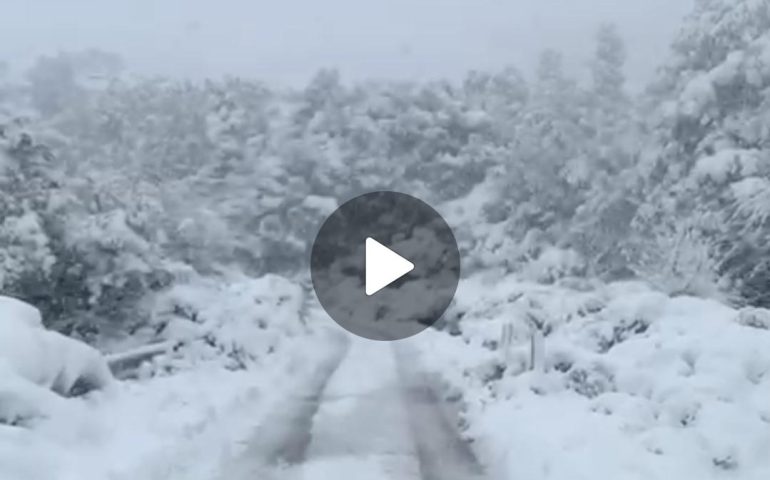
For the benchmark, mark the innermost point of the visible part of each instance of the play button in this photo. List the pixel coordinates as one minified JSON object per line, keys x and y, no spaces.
{"x":385,"y":266}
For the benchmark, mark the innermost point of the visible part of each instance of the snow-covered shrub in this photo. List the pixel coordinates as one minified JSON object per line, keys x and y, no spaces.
{"x":553,"y":264}
{"x":681,"y":259}
{"x":241,"y":320}
{"x":118,"y":268}
{"x":622,"y":318}
{"x":686,"y":393}
{"x":26,"y":250}
{"x":26,"y":183}
{"x":754,"y":317}
{"x":590,"y":380}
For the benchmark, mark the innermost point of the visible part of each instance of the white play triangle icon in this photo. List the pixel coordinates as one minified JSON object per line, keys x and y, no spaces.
{"x":383,"y":266}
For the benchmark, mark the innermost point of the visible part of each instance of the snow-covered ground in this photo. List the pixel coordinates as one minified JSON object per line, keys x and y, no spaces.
{"x":372,"y":418}
{"x":182,"y":426}
{"x":361,"y":429}
{"x":243,"y":354}
{"x":627,"y":383}
{"x":624,"y":382}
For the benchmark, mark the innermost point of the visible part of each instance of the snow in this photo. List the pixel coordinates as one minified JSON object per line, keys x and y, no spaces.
{"x":21,"y":401}
{"x":36,"y":366}
{"x":110,"y":230}
{"x":629,"y":383}
{"x":749,"y":188}
{"x":555,"y":376}
{"x":753,"y":199}
{"x":754,"y":317}
{"x":184,"y":426}
{"x":45,"y":358}
{"x":24,"y":244}
{"x":364,"y":386}
{"x":696,"y":96}
{"x":324,"y":205}
{"x":366,"y":415}
{"x":763,"y":56}
{"x":726,"y":163}
{"x":245,"y":318}
{"x":726,"y":72}
{"x":553,"y":263}
{"x":639,"y":385}
{"x":468,"y":208}
{"x":17,"y":310}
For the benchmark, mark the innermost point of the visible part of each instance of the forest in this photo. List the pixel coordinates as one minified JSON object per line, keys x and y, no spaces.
{"x":115,"y":188}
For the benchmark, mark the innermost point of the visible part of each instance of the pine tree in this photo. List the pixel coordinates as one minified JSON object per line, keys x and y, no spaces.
{"x":607,"y":68}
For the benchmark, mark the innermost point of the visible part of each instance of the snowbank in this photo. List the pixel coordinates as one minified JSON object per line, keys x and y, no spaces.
{"x":182,"y":427}
{"x":51,"y":360}
{"x":37,"y":369}
{"x":45,"y":358}
{"x":14,"y":309}
{"x":21,"y":401}
{"x":634,"y":384}
{"x":36,"y":364}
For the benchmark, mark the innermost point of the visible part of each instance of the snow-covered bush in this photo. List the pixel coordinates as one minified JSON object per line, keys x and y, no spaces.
{"x":241,"y":320}
{"x":553,"y":264}
{"x":26,"y":183}
{"x":672,"y":386}
{"x":754,"y":317}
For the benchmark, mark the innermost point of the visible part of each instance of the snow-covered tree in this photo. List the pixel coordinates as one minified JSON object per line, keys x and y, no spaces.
{"x":607,"y":67}
{"x":713,"y":135}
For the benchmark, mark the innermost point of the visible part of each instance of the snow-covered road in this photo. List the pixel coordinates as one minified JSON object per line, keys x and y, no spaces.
{"x":365,"y":414}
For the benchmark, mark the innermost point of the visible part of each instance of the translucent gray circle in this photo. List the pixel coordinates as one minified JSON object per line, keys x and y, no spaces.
{"x":409,"y":227}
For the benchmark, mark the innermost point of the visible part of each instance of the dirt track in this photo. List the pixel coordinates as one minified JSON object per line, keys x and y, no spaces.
{"x":365,"y":413}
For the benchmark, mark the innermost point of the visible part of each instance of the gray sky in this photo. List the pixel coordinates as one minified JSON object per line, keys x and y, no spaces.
{"x":288,"y":40}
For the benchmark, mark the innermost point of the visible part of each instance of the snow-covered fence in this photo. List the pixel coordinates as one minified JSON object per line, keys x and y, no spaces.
{"x":536,"y":357}
{"x":506,"y":342}
{"x":536,"y":342}
{"x":537,"y":350}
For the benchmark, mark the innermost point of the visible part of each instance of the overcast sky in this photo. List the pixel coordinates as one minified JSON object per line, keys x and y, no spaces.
{"x":288,"y":40}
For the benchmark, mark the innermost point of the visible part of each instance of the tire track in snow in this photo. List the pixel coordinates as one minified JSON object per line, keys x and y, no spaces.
{"x":361,"y":430}
{"x":442,"y":452}
{"x":365,"y":413}
{"x":285,"y":435}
